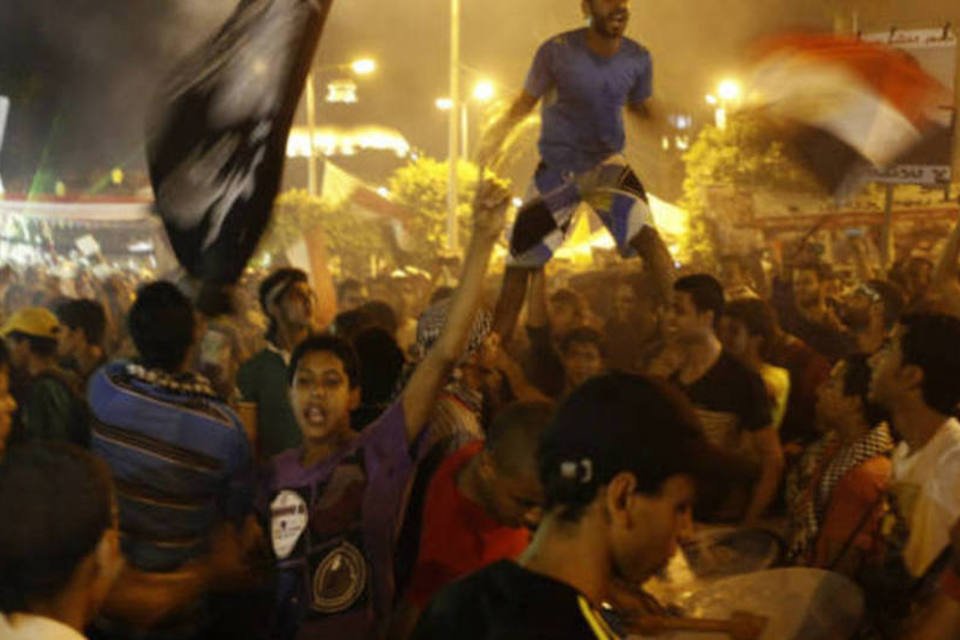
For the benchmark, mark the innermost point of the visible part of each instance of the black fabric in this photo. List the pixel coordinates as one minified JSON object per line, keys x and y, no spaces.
{"x":218,"y":142}
{"x":505,"y":601}
{"x":730,"y":387}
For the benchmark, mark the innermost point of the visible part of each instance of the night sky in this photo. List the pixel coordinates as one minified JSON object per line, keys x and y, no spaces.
{"x":81,"y":73}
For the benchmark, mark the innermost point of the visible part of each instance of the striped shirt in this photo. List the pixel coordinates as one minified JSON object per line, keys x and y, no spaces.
{"x":180,"y":460}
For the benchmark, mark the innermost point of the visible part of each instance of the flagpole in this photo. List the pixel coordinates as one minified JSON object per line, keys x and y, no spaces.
{"x":311,"y":133}
{"x":453,"y":133}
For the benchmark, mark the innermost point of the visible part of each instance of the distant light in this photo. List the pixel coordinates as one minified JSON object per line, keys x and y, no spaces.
{"x":517,"y":202}
{"x":141,"y":247}
{"x":712,"y":99}
{"x":342,"y":92}
{"x":682,"y":142}
{"x":383,"y":192}
{"x":444,"y":104}
{"x":484,"y":91}
{"x":729,"y":90}
{"x":60,"y":189}
{"x":116,"y":176}
{"x":665,"y":143}
{"x":363,"y":66}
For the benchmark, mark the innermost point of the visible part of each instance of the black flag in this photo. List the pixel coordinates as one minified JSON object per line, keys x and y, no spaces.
{"x":217,"y":140}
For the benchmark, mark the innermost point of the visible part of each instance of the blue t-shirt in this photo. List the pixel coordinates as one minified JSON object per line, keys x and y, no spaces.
{"x":583,"y":98}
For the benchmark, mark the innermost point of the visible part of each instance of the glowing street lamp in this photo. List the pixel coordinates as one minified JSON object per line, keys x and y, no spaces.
{"x":484,"y":91}
{"x":729,"y":90}
{"x":363,"y":66}
{"x":444,"y":104}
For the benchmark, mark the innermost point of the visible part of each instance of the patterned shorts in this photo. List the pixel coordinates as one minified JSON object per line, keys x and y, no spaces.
{"x":545,"y":220}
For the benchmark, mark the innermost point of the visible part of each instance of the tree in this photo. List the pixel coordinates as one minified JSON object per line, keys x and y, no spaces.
{"x":743,"y":155}
{"x":350,"y":238}
{"x":421,"y":186}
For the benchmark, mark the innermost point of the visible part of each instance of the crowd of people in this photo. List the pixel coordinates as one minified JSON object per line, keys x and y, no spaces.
{"x":173,"y":475}
{"x":475,"y":462}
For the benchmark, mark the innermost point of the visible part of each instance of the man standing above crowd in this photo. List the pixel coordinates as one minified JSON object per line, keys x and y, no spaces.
{"x":288,"y":301}
{"x":82,"y":327}
{"x":584,"y":79}
{"x":730,"y":399}
{"x":50,"y":405}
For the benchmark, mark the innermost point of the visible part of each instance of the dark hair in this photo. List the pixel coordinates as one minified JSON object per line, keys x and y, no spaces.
{"x":856,"y":382}
{"x":892,"y":298}
{"x":932,"y":342}
{"x":336,"y":345}
{"x":381,"y":363}
{"x":162,"y":325}
{"x":705,"y":291}
{"x":582,"y":335}
{"x":514,"y":435}
{"x":56,"y":503}
{"x":286,"y":276}
{"x":381,"y":314}
{"x":757,"y":316}
{"x":619,"y":422}
{"x":38,"y":345}
{"x":4,"y":355}
{"x":87,"y":315}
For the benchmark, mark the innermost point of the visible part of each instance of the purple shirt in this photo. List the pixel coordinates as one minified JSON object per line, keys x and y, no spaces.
{"x":332,"y":529}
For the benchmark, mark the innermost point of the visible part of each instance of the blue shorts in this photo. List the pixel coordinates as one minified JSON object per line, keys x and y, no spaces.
{"x":545,"y":220}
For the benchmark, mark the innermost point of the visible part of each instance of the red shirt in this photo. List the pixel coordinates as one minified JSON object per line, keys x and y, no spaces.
{"x":458,"y":537}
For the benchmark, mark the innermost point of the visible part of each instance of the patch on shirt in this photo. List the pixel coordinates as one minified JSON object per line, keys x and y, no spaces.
{"x":339,"y":580}
{"x":288,"y":521}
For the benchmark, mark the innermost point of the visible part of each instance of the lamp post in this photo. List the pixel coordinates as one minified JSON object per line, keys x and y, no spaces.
{"x":453,"y":131}
{"x":359,"y":67}
{"x":728,"y":94}
{"x":483,"y":91}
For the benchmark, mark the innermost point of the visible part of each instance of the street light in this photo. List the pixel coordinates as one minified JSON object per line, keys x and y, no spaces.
{"x":727,"y":95}
{"x":363,"y":66}
{"x":483,"y":91}
{"x":729,"y":90}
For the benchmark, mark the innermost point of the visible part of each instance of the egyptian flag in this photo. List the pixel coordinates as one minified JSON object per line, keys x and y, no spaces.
{"x":848,"y":104}
{"x":217,"y":140}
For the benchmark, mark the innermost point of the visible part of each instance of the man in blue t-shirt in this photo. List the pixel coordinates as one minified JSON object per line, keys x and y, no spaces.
{"x":584,"y":79}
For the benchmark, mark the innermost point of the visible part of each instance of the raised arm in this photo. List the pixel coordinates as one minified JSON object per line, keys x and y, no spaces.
{"x":491,"y":143}
{"x":489,"y":208}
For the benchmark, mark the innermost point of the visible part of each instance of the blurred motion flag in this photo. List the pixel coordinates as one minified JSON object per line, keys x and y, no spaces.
{"x":846,"y":103}
{"x":218,"y":136}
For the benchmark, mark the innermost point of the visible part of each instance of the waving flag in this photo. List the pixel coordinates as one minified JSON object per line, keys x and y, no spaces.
{"x":217,"y":141}
{"x":851,"y":103}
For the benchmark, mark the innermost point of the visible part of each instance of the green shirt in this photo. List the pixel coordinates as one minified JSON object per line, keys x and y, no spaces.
{"x":53,"y":411}
{"x":263,"y":379}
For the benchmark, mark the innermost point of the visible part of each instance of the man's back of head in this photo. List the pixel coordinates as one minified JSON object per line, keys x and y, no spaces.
{"x":162,"y":326}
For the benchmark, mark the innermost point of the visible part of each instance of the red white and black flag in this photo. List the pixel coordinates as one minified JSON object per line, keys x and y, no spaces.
{"x":849,"y":104}
{"x":217,"y":139}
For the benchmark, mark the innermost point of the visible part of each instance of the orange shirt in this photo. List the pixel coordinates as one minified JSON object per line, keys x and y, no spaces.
{"x":857,"y":492}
